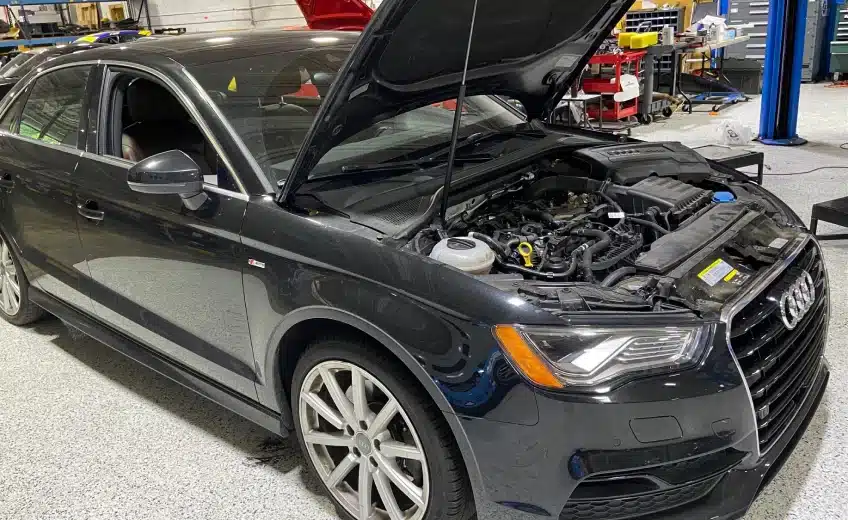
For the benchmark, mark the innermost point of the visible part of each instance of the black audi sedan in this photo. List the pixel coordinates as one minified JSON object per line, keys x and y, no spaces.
{"x":26,"y":61}
{"x":589,"y":327}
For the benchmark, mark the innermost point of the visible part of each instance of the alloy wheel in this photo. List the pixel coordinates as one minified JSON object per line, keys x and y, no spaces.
{"x":10,"y":287}
{"x":362,"y":443}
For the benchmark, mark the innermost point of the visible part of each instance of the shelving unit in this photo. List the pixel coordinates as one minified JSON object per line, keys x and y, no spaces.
{"x":654,"y":20}
{"x":28,"y":41}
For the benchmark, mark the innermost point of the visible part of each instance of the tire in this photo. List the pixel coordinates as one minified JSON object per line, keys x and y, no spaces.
{"x":15,"y":305}
{"x":645,"y":119}
{"x":667,"y":112}
{"x":417,"y":430}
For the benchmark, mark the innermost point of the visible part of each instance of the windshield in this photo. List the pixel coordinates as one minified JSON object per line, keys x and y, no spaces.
{"x":271,"y":101}
{"x":13,"y":68}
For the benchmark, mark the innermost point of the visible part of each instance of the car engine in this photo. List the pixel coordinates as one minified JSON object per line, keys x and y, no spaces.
{"x":560,"y":228}
{"x":575,"y":243}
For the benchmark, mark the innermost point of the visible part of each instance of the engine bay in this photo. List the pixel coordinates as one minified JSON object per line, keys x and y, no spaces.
{"x":570,"y":243}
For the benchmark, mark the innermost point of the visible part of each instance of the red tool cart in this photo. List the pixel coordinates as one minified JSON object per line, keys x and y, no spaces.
{"x":607,"y":85}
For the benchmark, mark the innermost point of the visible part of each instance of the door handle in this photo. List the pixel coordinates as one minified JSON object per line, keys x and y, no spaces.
{"x":6,"y":182}
{"x":90,"y":210}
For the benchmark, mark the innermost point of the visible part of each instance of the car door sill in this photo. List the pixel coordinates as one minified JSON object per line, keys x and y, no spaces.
{"x":183,"y":375}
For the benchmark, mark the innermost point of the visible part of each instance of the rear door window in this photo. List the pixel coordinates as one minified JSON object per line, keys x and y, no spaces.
{"x":53,"y":109}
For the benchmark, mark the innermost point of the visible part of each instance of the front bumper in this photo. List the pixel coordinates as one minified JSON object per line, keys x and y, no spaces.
{"x":528,"y":472}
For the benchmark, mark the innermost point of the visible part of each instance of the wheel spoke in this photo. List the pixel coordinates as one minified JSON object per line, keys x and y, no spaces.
{"x":381,"y":422}
{"x":341,"y":401}
{"x":360,"y":400}
{"x":389,"y":500}
{"x":7,"y":297}
{"x":394,"y":449}
{"x":398,"y":478}
{"x":365,"y":483}
{"x":341,"y":471}
{"x":323,"y":409}
{"x":336,"y":445}
{"x":328,"y":439}
{"x":13,"y":285}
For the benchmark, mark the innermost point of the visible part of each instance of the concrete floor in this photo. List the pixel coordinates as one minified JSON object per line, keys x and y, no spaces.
{"x":85,"y":433}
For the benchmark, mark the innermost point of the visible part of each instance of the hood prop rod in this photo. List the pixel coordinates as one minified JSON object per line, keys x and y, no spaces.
{"x":457,"y":119}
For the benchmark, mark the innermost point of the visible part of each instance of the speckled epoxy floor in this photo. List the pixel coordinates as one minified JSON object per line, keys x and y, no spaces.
{"x":86,"y":433}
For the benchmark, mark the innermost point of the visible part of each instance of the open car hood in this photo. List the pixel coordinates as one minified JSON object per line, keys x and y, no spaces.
{"x":412,"y":53}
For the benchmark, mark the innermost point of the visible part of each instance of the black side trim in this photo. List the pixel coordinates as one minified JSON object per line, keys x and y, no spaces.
{"x":169,"y":368}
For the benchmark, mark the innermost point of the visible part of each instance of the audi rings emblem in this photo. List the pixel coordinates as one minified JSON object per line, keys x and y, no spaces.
{"x":797,"y":300}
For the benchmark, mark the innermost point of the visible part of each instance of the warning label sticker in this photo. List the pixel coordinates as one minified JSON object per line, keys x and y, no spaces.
{"x":718,"y":271}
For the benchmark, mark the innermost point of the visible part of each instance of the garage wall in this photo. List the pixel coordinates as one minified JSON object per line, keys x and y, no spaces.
{"x":218,"y":15}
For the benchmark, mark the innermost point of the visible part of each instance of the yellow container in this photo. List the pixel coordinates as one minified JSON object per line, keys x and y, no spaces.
{"x":624,"y":39}
{"x":643,"y":40}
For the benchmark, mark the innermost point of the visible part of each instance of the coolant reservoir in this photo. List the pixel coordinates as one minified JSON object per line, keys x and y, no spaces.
{"x":466,"y":254}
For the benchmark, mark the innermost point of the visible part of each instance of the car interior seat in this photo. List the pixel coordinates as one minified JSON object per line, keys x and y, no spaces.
{"x":284,"y":125}
{"x":154,"y":122}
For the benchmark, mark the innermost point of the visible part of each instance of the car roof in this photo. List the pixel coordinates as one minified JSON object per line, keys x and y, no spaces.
{"x":203,"y":48}
{"x":69,"y":48}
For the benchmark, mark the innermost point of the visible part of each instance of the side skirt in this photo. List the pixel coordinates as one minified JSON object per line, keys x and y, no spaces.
{"x":169,"y":368}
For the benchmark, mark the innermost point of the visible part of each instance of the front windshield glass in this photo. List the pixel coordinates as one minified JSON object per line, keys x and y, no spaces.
{"x":271,"y":101}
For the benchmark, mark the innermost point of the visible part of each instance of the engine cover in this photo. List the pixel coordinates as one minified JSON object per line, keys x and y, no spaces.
{"x":679,"y":199}
{"x":627,"y":164}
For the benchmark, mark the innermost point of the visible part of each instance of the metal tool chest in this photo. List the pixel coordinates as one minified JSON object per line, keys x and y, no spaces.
{"x":841,"y":34}
{"x":756,"y":12}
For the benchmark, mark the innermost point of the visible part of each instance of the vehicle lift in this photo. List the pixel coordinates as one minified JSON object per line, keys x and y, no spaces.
{"x":782,"y":73}
{"x":781,"y":93}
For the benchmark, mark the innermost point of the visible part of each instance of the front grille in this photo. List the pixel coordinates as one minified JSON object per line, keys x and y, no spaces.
{"x":638,"y":505}
{"x":780,"y":365}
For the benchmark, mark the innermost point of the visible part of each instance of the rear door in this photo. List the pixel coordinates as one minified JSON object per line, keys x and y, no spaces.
{"x":163,"y":274}
{"x":38,"y":157}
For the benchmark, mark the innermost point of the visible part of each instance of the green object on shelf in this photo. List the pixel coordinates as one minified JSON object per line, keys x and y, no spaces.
{"x":839,"y":56}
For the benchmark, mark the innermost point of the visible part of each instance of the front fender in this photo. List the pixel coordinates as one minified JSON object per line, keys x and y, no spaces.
{"x":272,"y":394}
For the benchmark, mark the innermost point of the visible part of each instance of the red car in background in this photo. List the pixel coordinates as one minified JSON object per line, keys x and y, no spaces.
{"x":335,"y":15}
{"x":338,"y":15}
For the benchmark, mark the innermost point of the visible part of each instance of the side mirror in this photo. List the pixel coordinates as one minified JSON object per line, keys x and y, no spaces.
{"x":169,"y":173}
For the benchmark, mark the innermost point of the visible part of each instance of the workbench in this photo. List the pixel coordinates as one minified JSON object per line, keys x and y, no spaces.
{"x":834,"y":211}
{"x":734,"y":158}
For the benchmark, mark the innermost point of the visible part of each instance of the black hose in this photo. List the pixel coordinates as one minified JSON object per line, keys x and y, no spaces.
{"x":647,"y":223}
{"x":617,"y":275}
{"x":530,"y":272}
{"x":602,"y":243}
{"x":652,"y":213}
{"x":616,"y":206}
{"x":534,"y":213}
{"x":496,"y":247}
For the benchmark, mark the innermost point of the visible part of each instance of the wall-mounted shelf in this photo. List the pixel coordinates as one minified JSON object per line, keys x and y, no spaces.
{"x":53,"y":40}
{"x":26,"y":37}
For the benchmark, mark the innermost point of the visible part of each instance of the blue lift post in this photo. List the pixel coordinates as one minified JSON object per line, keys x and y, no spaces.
{"x":782,"y":73}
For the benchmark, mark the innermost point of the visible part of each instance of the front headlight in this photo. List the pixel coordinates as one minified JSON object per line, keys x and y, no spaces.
{"x":589,"y":356}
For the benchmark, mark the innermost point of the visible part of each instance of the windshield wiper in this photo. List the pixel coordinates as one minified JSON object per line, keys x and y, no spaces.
{"x":473,"y":139}
{"x":412,"y":165}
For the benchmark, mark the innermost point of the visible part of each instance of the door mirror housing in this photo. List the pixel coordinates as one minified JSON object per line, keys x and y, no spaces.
{"x":169,"y":173}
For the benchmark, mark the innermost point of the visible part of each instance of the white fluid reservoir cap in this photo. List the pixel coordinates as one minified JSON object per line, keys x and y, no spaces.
{"x":466,"y":254}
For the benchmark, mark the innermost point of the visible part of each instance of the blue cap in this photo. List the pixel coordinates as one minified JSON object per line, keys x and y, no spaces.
{"x":723,"y":196}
